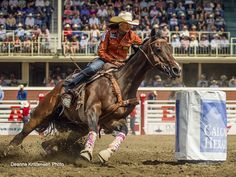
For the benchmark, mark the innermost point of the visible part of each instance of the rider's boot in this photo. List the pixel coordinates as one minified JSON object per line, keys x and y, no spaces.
{"x":72,"y":83}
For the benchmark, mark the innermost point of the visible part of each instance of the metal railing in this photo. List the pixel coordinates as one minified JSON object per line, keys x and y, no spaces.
{"x":48,"y":47}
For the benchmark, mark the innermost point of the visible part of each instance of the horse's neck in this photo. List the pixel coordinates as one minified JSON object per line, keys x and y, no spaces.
{"x":132,"y":74}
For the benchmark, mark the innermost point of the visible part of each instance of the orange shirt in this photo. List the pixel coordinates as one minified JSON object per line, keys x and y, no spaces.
{"x":114,"y":47}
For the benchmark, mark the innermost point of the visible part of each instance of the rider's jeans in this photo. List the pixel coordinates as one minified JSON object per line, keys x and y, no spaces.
{"x":95,"y":65}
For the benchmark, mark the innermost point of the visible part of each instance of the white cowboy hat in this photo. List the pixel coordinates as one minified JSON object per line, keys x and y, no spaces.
{"x":124,"y":17}
{"x":25,"y":104}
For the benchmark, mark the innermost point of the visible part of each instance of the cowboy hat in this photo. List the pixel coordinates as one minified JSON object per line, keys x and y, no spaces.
{"x":124,"y":17}
{"x":25,"y":104}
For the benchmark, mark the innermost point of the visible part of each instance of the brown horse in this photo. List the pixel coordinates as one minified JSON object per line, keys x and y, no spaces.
{"x":104,"y":105}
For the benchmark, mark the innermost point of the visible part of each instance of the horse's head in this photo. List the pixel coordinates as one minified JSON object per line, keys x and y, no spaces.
{"x":159,"y":54}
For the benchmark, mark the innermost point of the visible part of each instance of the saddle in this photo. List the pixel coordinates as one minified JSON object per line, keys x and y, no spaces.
{"x":77,"y":92}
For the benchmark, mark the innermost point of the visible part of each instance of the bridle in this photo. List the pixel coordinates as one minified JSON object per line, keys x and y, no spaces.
{"x":154,"y":64}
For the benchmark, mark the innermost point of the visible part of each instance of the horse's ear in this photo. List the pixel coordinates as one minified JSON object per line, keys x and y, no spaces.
{"x":155,"y":34}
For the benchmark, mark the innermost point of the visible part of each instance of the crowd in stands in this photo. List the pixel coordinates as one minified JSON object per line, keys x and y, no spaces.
{"x":24,"y":21}
{"x":183,"y":17}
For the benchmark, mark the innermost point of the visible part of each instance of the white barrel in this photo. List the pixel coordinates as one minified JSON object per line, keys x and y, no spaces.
{"x":201,"y":126}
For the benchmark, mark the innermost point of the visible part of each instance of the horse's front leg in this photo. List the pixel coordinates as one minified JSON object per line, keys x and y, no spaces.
{"x":104,"y":155}
{"x":92,"y":114}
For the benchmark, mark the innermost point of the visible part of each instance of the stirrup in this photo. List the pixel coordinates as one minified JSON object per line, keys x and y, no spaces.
{"x":66,"y":99}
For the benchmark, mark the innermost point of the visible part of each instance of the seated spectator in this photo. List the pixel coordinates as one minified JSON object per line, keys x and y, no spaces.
{"x":215,"y":42}
{"x":102,"y":12}
{"x":224,"y":42}
{"x":175,"y":42}
{"x":20,"y":31}
{"x":93,"y":21}
{"x":74,"y":45}
{"x":173,"y":22}
{"x":20,"y":18}
{"x":10,"y":22}
{"x":2,"y":19}
{"x":29,"y":21}
{"x":27,"y":45}
{"x":84,"y":42}
{"x":68,"y":12}
{"x":66,"y":46}
{"x":17,"y":44}
{"x":1,"y":93}
{"x":202,"y":82}
{"x":193,"y":31}
{"x":185,"y":43}
{"x":68,"y":31}
{"x":3,"y":33}
{"x":204,"y":42}
{"x":165,"y":31}
{"x":157,"y":81}
{"x":214,"y":84}
{"x":193,"y":41}
{"x":185,"y":31}
{"x":2,"y":81}
{"x":232,"y":82}
{"x":223,"y":81}
{"x":38,"y":20}
{"x":76,"y":20}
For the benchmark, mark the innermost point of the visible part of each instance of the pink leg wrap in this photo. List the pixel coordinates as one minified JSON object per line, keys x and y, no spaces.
{"x":91,"y":139}
{"x":114,"y":146}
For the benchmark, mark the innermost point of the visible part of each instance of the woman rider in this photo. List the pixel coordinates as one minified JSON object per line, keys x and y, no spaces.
{"x":113,"y":48}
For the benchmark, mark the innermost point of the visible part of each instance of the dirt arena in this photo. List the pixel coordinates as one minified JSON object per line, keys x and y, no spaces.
{"x":138,"y":156}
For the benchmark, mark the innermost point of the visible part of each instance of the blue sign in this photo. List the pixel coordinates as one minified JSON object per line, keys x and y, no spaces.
{"x":213,"y":126}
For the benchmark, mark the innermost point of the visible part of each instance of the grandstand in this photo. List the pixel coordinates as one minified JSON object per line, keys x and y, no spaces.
{"x":36,"y":35}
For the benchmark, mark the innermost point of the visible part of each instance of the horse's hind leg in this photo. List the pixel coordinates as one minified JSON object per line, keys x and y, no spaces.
{"x":104,"y":155}
{"x":41,"y":113}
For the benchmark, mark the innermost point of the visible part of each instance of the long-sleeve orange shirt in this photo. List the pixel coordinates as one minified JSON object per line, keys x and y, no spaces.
{"x":115,"y":47}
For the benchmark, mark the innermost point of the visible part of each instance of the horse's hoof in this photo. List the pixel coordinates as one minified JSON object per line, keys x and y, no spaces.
{"x":9,"y":148}
{"x":86,"y":155}
{"x":104,"y":155}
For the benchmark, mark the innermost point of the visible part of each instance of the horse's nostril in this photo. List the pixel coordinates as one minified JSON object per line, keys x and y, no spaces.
{"x":176,"y":71}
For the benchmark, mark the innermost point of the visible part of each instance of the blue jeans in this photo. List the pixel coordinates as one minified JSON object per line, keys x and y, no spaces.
{"x":86,"y":73}
{"x":95,"y":65}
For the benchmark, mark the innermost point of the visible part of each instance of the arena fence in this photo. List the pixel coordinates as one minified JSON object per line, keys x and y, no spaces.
{"x":158,"y":115}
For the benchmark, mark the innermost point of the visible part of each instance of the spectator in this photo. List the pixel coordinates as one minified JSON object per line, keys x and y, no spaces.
{"x":2,"y":81}
{"x":133,"y":116}
{"x":193,"y":42}
{"x":232,"y":82}
{"x":22,"y":94}
{"x":214,"y":84}
{"x":202,"y":82}
{"x":2,"y":33}
{"x":157,"y":81}
{"x":10,"y":22}
{"x":175,"y":42}
{"x":185,"y":43}
{"x":74,"y":45}
{"x":223,"y":81}
{"x":2,"y":19}
{"x":1,"y":93}
{"x":20,"y":31}
{"x":184,"y":32}
{"x":215,"y":42}
{"x":29,"y":21}
{"x":26,"y":111}
{"x":93,"y":20}
{"x":204,"y":42}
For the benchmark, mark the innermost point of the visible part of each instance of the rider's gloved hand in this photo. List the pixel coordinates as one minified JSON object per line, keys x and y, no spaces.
{"x":118,"y":63}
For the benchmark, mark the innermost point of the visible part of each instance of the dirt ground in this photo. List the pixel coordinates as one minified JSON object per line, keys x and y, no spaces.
{"x":138,"y":156}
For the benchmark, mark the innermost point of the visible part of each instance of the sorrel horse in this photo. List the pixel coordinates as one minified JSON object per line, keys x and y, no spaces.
{"x":103,"y":107}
